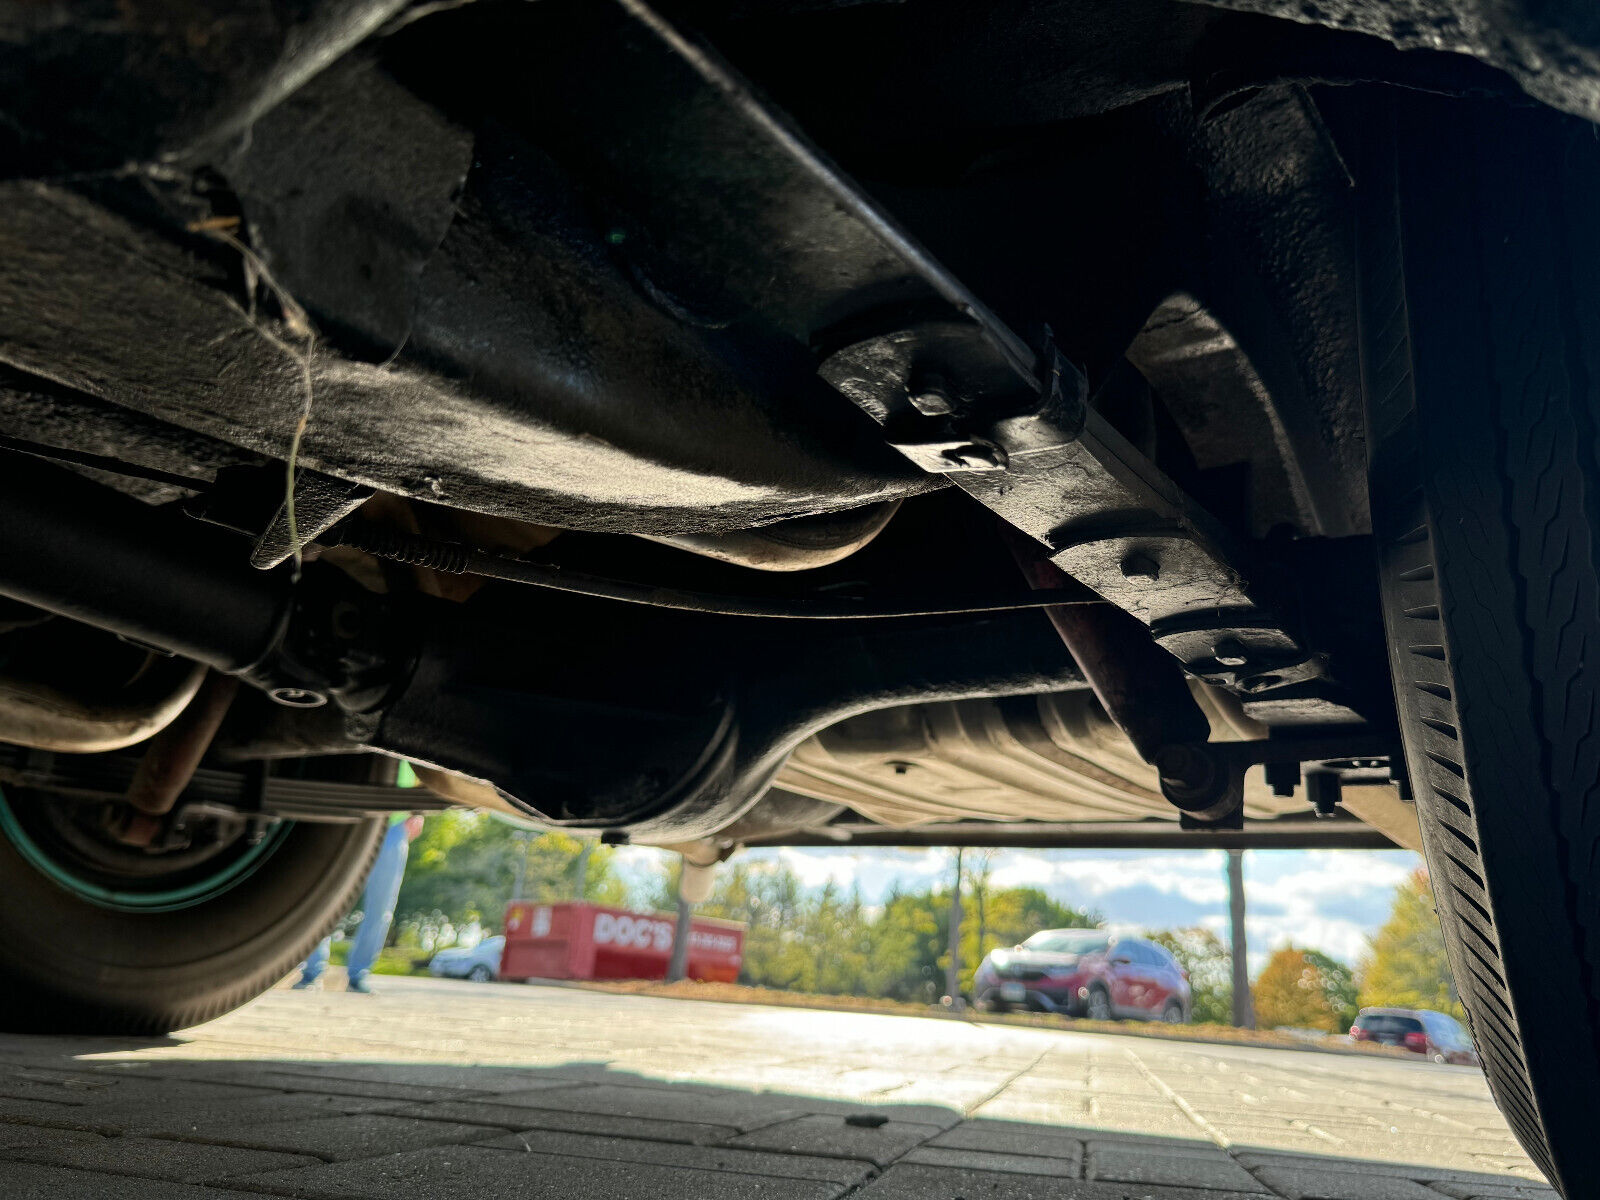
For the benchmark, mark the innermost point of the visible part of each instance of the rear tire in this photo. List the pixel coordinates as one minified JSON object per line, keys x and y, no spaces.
{"x":1097,"y":1007}
{"x":480,"y":974}
{"x":1172,"y":1014}
{"x":1480,"y":255}
{"x":74,"y":961}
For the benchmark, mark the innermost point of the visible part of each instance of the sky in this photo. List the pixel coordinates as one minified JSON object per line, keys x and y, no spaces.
{"x":1329,"y":900}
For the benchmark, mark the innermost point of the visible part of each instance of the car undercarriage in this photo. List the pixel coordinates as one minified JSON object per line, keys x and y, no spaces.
{"x":732,"y":423}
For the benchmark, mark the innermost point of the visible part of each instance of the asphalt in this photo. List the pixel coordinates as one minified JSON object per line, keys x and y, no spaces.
{"x":435,"y":1089}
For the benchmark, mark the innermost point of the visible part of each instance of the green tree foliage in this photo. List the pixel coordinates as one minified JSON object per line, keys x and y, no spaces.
{"x":1405,"y":965}
{"x":1305,"y":989}
{"x":828,"y":940}
{"x":1210,"y":965}
{"x":463,"y":867}
{"x":1339,"y":988}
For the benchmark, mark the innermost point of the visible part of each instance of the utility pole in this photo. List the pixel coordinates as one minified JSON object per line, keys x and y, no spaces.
{"x":678,"y":965}
{"x":580,"y":883}
{"x":524,"y":840}
{"x":1243,"y":1011}
{"x":979,"y":878}
{"x":952,"y":974}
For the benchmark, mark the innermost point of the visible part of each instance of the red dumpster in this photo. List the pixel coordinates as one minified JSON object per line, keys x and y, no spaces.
{"x":590,"y":941}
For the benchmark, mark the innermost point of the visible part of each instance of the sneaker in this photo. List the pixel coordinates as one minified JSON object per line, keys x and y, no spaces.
{"x":302,"y":985}
{"x":359,"y":984}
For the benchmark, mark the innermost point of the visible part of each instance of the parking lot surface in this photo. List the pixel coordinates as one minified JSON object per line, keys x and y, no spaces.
{"x":433,"y":1089}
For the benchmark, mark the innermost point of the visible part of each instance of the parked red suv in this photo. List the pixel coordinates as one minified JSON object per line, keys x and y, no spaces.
{"x":1422,"y":1030}
{"x":1085,"y":973}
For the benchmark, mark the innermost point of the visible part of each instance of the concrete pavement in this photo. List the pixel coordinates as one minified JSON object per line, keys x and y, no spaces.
{"x":435,"y":1089}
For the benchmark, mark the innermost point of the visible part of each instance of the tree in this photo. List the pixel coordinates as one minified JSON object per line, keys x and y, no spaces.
{"x":828,"y":940}
{"x":1305,"y":989}
{"x":980,"y":870}
{"x":769,"y":899}
{"x":463,"y":864}
{"x":1405,"y":965}
{"x":1339,"y":988}
{"x":1210,"y":965}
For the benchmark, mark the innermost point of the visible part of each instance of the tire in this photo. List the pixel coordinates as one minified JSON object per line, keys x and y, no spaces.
{"x":1172,"y":1014}
{"x":1480,"y":297}
{"x":1097,"y":1007}
{"x":79,"y":963}
{"x":480,"y":974}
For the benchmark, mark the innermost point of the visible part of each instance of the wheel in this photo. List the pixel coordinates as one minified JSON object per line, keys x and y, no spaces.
{"x":98,"y":937}
{"x":1172,"y":1014}
{"x":1480,"y":262}
{"x":1098,"y":1006}
{"x":480,"y":974}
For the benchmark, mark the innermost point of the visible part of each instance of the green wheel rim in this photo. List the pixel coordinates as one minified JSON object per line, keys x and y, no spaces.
{"x":170,"y":900}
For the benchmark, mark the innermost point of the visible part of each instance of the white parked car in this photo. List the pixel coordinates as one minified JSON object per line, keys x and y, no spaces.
{"x":480,"y":962}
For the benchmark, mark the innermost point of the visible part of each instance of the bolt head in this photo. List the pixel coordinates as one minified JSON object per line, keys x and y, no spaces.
{"x":1231,"y":652}
{"x":931,"y":400}
{"x":1141,"y":566}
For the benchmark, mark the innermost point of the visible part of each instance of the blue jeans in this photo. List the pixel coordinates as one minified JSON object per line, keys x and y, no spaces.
{"x":316,"y":962}
{"x":377,"y":910}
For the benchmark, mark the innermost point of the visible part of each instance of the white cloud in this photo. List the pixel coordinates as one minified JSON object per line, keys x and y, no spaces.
{"x":1303,"y":889}
{"x":1088,"y":876}
{"x":1344,"y":939}
{"x":875,"y":872}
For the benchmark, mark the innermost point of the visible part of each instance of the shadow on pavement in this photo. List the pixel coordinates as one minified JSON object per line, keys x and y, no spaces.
{"x":72,"y":1126}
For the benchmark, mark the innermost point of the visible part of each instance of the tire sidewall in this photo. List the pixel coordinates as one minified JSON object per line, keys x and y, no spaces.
{"x":72,"y":964}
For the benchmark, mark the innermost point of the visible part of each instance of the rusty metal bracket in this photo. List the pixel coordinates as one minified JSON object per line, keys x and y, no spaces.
{"x":1043,"y":460}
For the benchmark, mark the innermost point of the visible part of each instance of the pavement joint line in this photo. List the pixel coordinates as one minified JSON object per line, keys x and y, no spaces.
{"x":778,"y":1119}
{"x":874,"y":1171}
{"x":659,"y":1165}
{"x":1317,"y":1131}
{"x":1205,"y":1126}
{"x":407,"y":1108}
{"x":1389,"y":1102}
{"x":968,"y":1109}
{"x":1188,"y":1110}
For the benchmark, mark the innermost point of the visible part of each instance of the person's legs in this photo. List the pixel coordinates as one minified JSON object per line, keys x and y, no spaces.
{"x":377,"y":905}
{"x":316,"y":962}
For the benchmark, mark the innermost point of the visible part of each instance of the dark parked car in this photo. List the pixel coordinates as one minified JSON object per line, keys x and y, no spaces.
{"x":1422,"y":1030}
{"x":1086,"y":973}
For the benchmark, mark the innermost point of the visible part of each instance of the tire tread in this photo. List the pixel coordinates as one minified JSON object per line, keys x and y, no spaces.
{"x":1480,"y":376}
